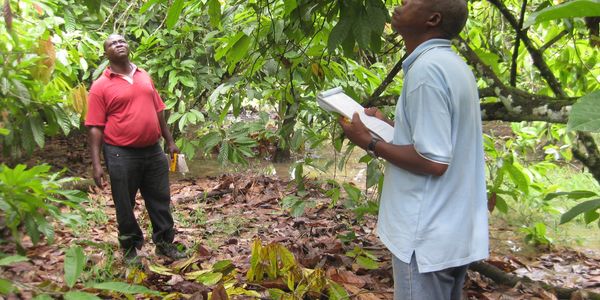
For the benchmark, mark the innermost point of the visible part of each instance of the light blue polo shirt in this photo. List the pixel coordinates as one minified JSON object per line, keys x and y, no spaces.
{"x":443,"y":220}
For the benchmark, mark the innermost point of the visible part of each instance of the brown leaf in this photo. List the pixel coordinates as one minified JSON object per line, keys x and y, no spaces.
{"x":189,"y":287}
{"x":8,"y":16}
{"x":346,"y":277}
{"x":491,"y":201}
{"x":219,"y":293}
{"x":275,"y":284}
{"x":592,"y":282}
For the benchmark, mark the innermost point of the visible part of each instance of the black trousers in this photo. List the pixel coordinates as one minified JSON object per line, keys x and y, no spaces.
{"x":147,"y":170}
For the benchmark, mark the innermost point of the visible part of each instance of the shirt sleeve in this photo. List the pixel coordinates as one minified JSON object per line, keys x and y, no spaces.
{"x":429,"y":116}
{"x":158,"y":103}
{"x":96,"y":110}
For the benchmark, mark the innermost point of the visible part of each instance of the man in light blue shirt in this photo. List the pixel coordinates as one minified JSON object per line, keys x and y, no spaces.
{"x":433,"y":212}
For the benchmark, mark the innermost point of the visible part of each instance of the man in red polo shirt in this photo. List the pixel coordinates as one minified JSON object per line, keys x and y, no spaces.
{"x":125,"y":118}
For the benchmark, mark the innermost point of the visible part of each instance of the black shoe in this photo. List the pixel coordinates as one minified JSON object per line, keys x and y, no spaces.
{"x":131,"y":258}
{"x":171,"y":251}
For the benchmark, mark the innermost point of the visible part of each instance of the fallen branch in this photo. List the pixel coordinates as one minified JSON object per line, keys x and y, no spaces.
{"x":504,"y":278}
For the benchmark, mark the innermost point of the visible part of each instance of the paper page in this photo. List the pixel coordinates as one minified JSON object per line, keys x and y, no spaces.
{"x":335,"y":100}
{"x":342,"y":104}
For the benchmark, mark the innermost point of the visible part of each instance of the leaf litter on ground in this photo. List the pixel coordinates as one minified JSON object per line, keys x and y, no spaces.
{"x":218,"y":218}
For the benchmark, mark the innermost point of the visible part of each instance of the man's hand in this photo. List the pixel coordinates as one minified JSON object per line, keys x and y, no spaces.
{"x":375,"y":112}
{"x":99,"y":177}
{"x":172,"y":148}
{"x":356,"y":131}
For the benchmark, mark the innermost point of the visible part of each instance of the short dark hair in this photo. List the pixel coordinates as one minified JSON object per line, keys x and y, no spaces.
{"x":109,"y":36}
{"x":454,"y":16}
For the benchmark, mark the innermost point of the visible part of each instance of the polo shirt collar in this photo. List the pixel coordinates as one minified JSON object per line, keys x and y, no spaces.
{"x":109,"y":73}
{"x":421,"y":49}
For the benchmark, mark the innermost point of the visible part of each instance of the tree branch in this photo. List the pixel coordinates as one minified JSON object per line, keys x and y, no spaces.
{"x":536,"y":55}
{"x":586,"y":151}
{"x":388,"y":79}
{"x":513,"y":67}
{"x":553,"y":40}
{"x":515,"y":104}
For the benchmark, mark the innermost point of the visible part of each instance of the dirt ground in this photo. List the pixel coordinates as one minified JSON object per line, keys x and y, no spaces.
{"x":218,"y":218}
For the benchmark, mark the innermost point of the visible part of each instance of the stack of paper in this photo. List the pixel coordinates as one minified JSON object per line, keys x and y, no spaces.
{"x":335,"y":100}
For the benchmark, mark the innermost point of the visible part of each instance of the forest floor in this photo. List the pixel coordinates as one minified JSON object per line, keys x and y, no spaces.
{"x":218,"y":218}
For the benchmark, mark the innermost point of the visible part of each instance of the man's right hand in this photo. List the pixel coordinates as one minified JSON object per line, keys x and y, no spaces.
{"x":375,"y":112}
{"x":99,"y":178}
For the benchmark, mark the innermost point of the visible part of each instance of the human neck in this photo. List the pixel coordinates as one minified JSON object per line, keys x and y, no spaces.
{"x":121,"y":67}
{"x":412,"y":42}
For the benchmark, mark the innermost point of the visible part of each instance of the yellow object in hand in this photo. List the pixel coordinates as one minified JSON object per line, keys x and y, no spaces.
{"x":173,"y":164}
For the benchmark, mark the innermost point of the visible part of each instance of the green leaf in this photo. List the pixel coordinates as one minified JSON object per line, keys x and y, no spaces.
{"x":214,"y":12}
{"x":501,"y":204}
{"x":238,"y":51}
{"x":590,"y":216}
{"x":93,"y":5}
{"x":222,"y":266}
{"x":70,"y":22}
{"x":174,"y":117}
{"x":337,"y":291}
{"x":174,"y":13}
{"x":295,"y":204}
{"x":62,"y":119}
{"x":32,"y":230}
{"x":6,"y":287}
{"x":338,"y":34}
{"x":518,"y":177}
{"x":100,"y":69}
{"x":367,"y":263}
{"x":4,"y":131}
{"x":223,"y":153}
{"x":289,"y":6}
{"x":373,"y":173}
{"x":188,"y":63}
{"x":362,"y":30}
{"x":148,"y":4}
{"x":188,"y":81}
{"x":74,"y":263}
{"x":43,"y":297}
{"x":9,"y":260}
{"x":124,"y":288}
{"x":571,"y":195}
{"x":585,"y":114}
{"x":77,"y":295}
{"x":210,"y":278}
{"x":277,"y":294}
{"x":580,"y":208}
{"x":354,"y":193}
{"x":37,"y":130}
{"x":162,"y":270}
{"x":569,"y":9}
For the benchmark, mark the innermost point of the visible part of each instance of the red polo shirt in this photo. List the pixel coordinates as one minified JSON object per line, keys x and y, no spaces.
{"x":127,"y":111}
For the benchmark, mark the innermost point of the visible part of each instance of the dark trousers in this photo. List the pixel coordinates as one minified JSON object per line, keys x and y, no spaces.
{"x":147,"y":170}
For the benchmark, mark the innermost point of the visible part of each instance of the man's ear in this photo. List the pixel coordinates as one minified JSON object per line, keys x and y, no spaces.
{"x":435,"y":19}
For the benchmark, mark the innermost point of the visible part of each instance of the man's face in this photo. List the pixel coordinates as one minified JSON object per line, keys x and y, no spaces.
{"x":410,"y":17}
{"x":116,"y":48}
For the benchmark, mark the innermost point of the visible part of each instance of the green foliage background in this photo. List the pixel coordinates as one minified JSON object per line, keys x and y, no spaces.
{"x":240,"y":77}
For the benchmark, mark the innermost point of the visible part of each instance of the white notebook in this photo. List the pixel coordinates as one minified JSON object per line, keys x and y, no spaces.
{"x":335,"y":100}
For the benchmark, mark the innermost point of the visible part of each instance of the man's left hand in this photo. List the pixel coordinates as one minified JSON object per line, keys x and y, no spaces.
{"x":356,"y":131}
{"x":172,"y":149}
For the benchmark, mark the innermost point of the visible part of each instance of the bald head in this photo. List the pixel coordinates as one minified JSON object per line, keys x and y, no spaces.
{"x":454,"y":16}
